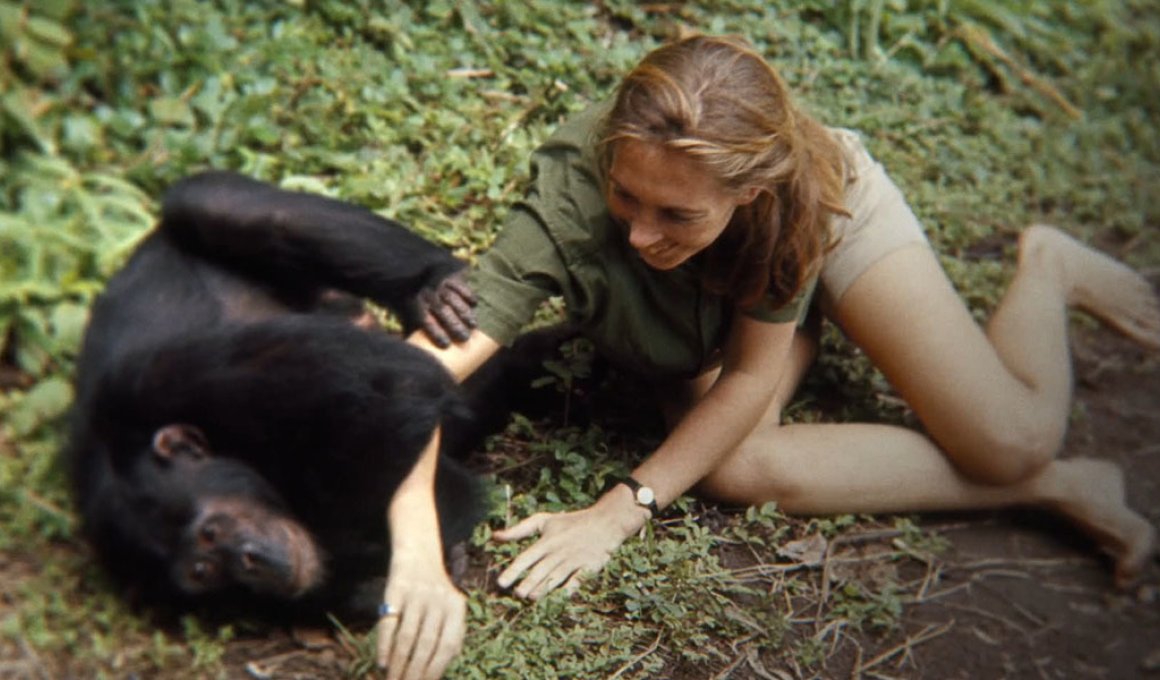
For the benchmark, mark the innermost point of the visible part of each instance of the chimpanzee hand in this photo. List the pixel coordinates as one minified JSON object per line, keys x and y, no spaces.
{"x":572,"y":545}
{"x":446,"y":310}
{"x":425,"y":628}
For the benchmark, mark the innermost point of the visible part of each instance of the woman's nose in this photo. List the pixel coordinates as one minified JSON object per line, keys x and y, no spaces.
{"x":642,"y":233}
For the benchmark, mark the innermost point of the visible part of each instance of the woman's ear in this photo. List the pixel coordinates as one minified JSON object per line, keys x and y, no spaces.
{"x":748,"y":195}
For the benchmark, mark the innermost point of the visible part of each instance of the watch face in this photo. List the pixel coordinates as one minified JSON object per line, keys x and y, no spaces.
{"x":645,"y":495}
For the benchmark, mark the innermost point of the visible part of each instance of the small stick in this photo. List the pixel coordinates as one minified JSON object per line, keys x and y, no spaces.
{"x":986,"y":614}
{"x":637,"y":659}
{"x":906,"y":645}
{"x":470,"y":73}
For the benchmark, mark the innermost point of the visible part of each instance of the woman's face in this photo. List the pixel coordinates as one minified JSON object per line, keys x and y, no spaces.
{"x":670,"y":206}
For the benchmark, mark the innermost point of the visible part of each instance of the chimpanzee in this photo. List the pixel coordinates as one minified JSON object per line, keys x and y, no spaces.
{"x":234,"y":432}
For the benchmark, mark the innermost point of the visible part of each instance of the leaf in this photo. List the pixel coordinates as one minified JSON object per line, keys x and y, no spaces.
{"x":68,"y":322}
{"x":11,"y":18}
{"x":543,"y":381}
{"x":47,"y":400}
{"x":81,"y":133}
{"x":48,"y":31}
{"x":16,"y":105}
{"x":306,"y":183}
{"x":809,"y":551}
{"x":171,"y":111}
{"x":44,"y":61}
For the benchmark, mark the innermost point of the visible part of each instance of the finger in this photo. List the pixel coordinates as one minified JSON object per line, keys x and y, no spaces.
{"x":544,"y":577}
{"x":460,"y":299}
{"x":573,"y":572}
{"x":464,"y":314}
{"x":458,"y":284}
{"x":528,"y":527}
{"x":522,"y":563}
{"x":450,"y":320}
{"x":576,"y":581}
{"x":388,"y":625}
{"x":405,"y":638}
{"x":425,"y":645}
{"x":434,"y":330}
{"x":454,"y":630}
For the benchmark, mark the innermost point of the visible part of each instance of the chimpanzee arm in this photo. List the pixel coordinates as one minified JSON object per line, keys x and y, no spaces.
{"x":300,"y":239}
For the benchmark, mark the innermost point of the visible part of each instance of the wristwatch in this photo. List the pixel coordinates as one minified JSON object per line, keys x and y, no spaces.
{"x":641,"y":494}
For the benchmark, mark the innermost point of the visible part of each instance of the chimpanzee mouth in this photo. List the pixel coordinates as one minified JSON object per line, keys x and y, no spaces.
{"x":306,"y":561}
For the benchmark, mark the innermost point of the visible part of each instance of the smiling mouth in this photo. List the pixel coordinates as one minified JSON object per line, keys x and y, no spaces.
{"x":661,"y":260}
{"x":650,"y":257}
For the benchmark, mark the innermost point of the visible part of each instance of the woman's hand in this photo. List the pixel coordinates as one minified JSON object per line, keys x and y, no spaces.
{"x":425,"y":626}
{"x":572,"y":545}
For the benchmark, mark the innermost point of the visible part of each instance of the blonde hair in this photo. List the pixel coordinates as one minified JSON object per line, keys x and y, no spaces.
{"x":717,"y":100}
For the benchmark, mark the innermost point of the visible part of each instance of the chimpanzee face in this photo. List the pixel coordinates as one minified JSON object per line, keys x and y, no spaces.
{"x":240,"y":541}
{"x":216,"y":523}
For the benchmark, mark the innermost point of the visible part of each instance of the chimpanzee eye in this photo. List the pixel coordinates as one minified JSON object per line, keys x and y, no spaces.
{"x":208,"y":533}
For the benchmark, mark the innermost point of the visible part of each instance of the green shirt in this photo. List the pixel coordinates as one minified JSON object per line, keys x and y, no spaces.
{"x":560,"y":240}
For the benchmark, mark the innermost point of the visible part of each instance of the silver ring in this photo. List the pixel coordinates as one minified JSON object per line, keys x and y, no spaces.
{"x":385,"y":610}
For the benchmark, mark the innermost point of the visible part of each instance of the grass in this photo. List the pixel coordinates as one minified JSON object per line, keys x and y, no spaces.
{"x":989,"y":116}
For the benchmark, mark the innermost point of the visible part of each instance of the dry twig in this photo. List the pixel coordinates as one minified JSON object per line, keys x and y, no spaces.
{"x":636,"y":659}
{"x":987,"y":615}
{"x":925,"y":635}
{"x":979,"y":40}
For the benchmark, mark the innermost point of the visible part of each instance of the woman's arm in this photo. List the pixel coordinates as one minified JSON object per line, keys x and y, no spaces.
{"x":427,"y":631}
{"x":460,"y":358}
{"x":424,"y":628}
{"x":575,"y":543}
{"x":755,"y":357}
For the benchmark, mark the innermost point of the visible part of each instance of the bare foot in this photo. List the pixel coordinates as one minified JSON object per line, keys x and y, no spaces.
{"x":1091,"y":494}
{"x":1099,"y":285}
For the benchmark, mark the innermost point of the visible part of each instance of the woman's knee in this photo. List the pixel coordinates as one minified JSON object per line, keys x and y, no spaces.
{"x":751,"y":477}
{"x":1006,"y":451}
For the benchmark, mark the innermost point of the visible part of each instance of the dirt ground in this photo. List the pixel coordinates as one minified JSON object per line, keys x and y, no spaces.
{"x":1027,"y":598}
{"x":1017,"y":594}
{"x":1021,"y":595}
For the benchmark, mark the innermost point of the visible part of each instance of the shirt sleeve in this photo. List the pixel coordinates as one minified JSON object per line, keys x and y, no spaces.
{"x":511,"y":280}
{"x":557,"y":222}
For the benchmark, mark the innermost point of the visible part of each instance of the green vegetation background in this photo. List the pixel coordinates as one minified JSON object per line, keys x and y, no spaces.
{"x":989,"y":114}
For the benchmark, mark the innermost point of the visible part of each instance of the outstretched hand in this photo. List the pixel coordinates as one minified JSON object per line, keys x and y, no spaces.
{"x":572,"y":545}
{"x":446,"y":311}
{"x":424,"y":630}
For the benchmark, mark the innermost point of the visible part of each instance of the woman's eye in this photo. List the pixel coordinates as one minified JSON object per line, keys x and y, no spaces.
{"x":622,"y":195}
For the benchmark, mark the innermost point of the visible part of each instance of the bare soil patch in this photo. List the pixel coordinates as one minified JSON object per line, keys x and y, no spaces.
{"x":1034,"y":600}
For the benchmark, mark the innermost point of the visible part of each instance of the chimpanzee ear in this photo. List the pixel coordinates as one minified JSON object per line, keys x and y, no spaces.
{"x":179,"y":439}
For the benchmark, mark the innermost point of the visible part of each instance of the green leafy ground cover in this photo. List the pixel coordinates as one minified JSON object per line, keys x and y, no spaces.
{"x":989,"y":114}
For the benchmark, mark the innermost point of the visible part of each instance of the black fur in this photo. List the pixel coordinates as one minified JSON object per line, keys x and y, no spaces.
{"x":219,"y":321}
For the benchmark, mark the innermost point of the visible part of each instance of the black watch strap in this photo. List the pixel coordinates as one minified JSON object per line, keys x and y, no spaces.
{"x":642,"y":494}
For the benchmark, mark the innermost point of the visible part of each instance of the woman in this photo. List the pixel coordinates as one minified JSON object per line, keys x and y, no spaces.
{"x":689,"y":224}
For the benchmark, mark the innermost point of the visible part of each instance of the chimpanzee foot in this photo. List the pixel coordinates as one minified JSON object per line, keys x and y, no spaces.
{"x":457,"y":563}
